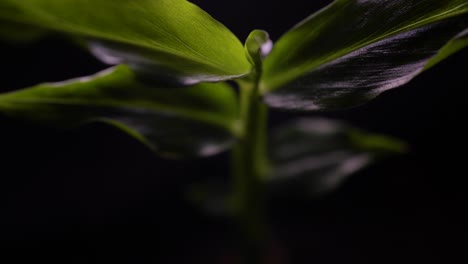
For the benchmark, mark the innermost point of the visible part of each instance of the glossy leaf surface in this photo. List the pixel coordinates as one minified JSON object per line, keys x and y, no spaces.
{"x":192,"y":121}
{"x":314,"y":156}
{"x":171,"y":38}
{"x":353,"y":50}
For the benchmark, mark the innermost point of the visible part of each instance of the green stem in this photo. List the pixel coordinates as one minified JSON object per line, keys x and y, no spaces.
{"x":249,"y":167}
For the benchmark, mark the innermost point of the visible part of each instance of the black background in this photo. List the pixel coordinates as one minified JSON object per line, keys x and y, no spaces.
{"x":92,"y":195}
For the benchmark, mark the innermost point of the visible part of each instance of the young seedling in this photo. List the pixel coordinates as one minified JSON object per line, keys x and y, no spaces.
{"x":169,"y":87}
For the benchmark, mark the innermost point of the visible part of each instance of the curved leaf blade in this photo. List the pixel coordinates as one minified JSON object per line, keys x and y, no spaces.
{"x":194,"y":121}
{"x":19,"y":33}
{"x":171,"y":35}
{"x":315,"y":156}
{"x":257,"y":46}
{"x":456,"y":44}
{"x":353,"y":50}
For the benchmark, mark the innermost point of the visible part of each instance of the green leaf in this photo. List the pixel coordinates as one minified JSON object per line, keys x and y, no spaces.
{"x":353,"y":50}
{"x":455,"y":45}
{"x":314,"y":156}
{"x":257,"y":46}
{"x":19,"y":33}
{"x":192,"y":121}
{"x":173,"y":39}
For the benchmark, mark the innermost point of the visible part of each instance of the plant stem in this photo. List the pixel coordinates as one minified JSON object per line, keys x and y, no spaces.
{"x":249,"y":167}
